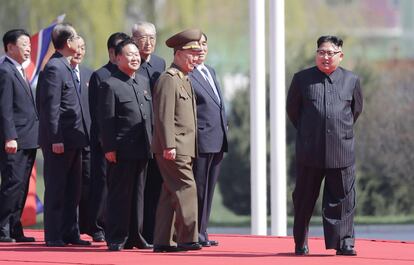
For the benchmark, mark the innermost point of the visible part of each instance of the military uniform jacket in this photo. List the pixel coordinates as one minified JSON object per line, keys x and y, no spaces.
{"x":324,"y":109}
{"x":125,"y":116}
{"x":175,"y":124}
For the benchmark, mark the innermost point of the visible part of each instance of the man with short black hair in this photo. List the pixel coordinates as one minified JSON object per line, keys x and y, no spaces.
{"x":19,"y":124}
{"x":125,"y":119}
{"x":323,"y":104}
{"x":98,"y":190}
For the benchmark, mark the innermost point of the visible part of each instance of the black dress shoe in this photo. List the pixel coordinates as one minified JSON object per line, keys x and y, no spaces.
{"x":7,"y":239}
{"x":78,"y":242}
{"x":205,"y":244}
{"x":115,"y":246}
{"x":190,"y":246}
{"x":302,"y":251}
{"x":24,"y":239}
{"x":98,"y":237}
{"x":166,"y":248}
{"x":346,"y":251}
{"x":214,"y":243}
{"x":144,"y":245}
{"x":55,"y":243}
{"x":141,"y":245}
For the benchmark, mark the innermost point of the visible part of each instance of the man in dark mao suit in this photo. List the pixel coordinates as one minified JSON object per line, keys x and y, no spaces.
{"x":323,"y":104}
{"x":175,"y":145}
{"x":19,"y":125}
{"x":211,"y":136}
{"x":98,"y":190}
{"x":83,"y":74}
{"x":126,"y":126}
{"x":144,"y":34}
{"x":62,"y":136}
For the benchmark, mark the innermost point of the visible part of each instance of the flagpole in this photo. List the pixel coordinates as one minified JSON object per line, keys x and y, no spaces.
{"x":258,"y":117}
{"x":277,"y":118}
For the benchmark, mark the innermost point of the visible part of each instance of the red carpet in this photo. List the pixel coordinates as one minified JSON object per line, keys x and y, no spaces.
{"x":233,"y":249}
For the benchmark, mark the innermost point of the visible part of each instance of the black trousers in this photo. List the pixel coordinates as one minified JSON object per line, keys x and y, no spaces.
{"x":338,"y":204}
{"x":98,"y":189}
{"x":125,"y":201}
{"x":151,"y":196}
{"x":206,"y":171}
{"x":15,"y":175}
{"x":62,"y":176}
{"x":83,"y":210}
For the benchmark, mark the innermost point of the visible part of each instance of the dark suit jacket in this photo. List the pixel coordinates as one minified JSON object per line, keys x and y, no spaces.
{"x":18,"y":114}
{"x":85,"y":76}
{"x":152,"y":69}
{"x":211,"y":114}
{"x":61,"y":114}
{"x":97,"y":77}
{"x":125,"y":116}
{"x":324,"y":109}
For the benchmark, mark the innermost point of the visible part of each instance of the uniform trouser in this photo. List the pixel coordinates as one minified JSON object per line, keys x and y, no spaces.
{"x":85,"y":195}
{"x":338,"y":204}
{"x":98,"y":189}
{"x":177,"y":207}
{"x":151,"y":197}
{"x":15,"y":174}
{"x":62,"y":176}
{"x":125,"y":201}
{"x":206,"y":172}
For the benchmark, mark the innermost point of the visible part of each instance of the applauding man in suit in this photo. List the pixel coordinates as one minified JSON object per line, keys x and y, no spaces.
{"x":18,"y":135}
{"x":126,"y":129}
{"x":211,"y":136}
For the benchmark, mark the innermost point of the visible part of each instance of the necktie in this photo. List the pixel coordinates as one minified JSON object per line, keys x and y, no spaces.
{"x":209,"y":79}
{"x":29,"y":87}
{"x":25,"y":78}
{"x":76,"y":79}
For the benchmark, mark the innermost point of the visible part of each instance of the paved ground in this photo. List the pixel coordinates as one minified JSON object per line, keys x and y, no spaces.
{"x":387,"y":232}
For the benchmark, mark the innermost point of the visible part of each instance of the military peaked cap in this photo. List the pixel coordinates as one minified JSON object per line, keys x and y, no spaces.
{"x":184,"y":40}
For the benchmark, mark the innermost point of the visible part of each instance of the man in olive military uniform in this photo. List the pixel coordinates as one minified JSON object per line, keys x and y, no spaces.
{"x":174,"y":146}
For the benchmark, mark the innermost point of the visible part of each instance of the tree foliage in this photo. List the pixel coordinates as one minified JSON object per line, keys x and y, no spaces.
{"x":386,"y":143}
{"x":235,"y":175}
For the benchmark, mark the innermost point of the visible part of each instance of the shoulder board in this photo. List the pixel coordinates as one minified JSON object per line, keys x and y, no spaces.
{"x":175,"y":71}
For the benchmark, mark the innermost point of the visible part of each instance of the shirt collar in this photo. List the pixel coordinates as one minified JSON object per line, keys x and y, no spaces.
{"x":18,"y":66}
{"x":334,"y":77}
{"x":124,"y":77}
{"x":201,"y":66}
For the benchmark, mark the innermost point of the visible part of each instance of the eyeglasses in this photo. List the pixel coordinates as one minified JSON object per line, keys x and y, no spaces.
{"x":75,"y":37}
{"x":144,"y":38}
{"x":330,"y":54}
